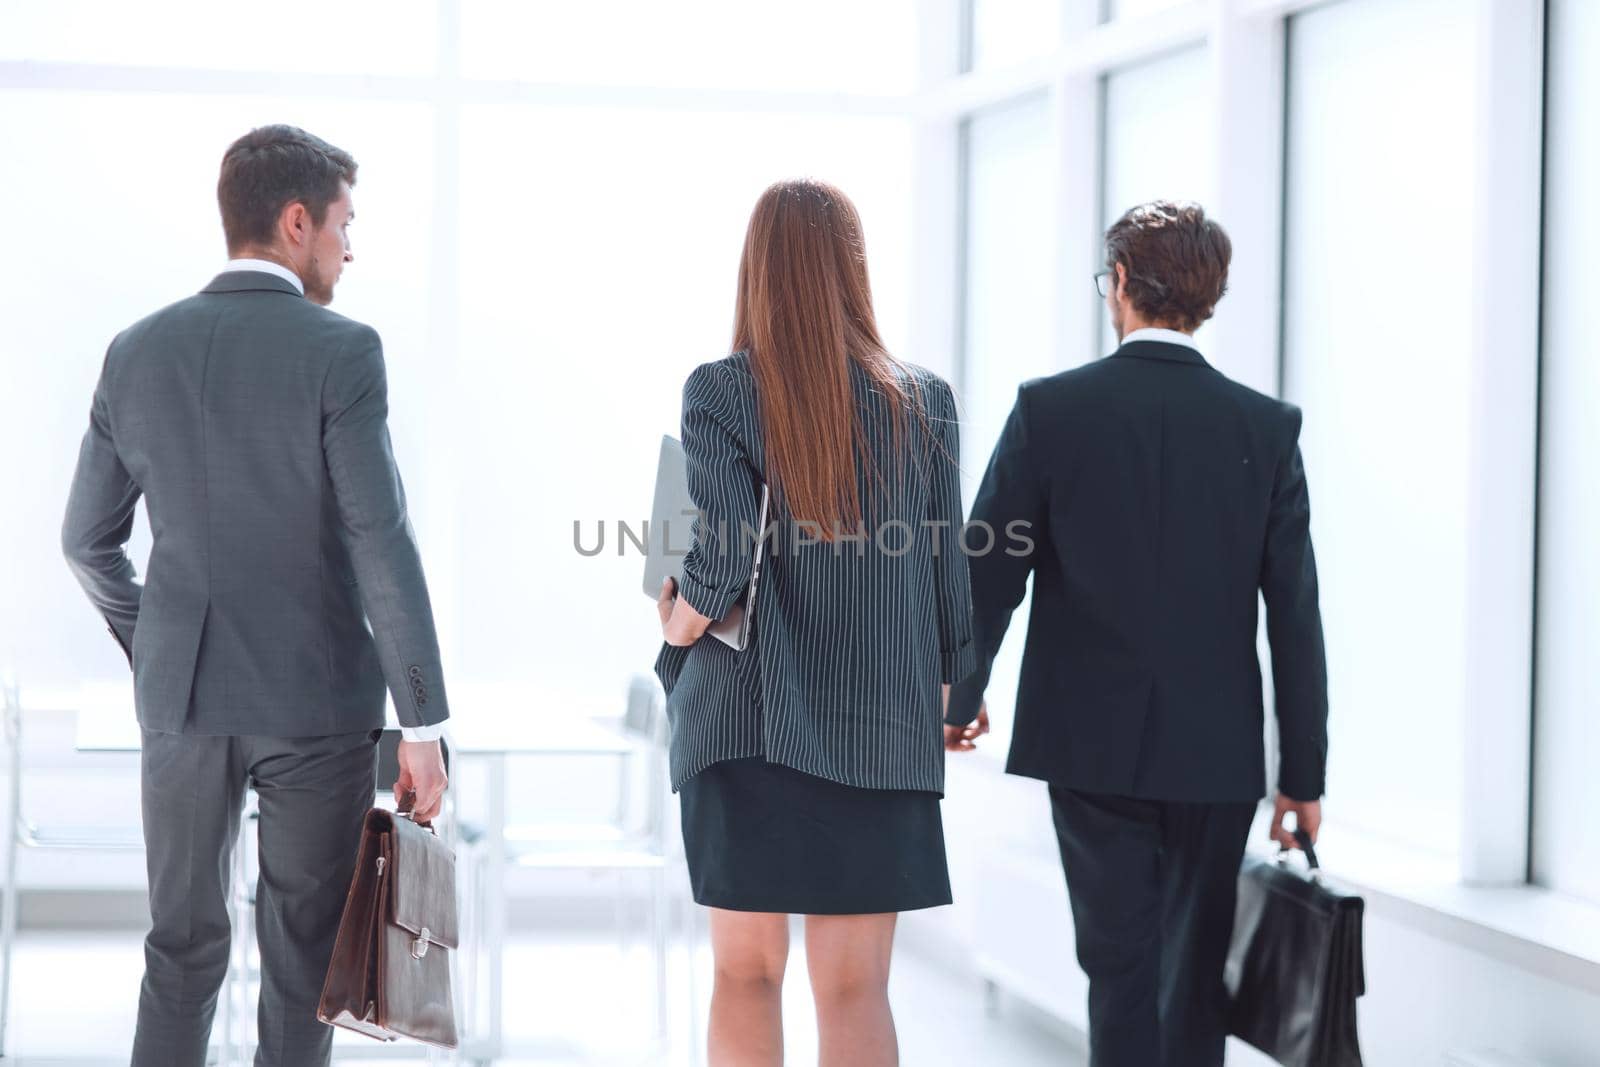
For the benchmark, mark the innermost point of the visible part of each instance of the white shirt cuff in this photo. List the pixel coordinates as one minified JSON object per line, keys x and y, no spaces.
{"x":422,"y":733}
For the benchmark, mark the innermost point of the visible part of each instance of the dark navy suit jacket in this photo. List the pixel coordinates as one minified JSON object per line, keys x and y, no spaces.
{"x":1165,"y":499}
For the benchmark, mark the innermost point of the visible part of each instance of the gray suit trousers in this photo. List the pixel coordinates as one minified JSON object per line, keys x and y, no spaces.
{"x":313,"y":793}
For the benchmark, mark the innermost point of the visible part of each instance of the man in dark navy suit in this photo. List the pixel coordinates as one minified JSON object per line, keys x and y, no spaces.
{"x":1163,"y":499}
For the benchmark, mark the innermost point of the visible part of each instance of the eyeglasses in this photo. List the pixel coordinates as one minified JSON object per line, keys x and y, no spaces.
{"x":1102,"y":282}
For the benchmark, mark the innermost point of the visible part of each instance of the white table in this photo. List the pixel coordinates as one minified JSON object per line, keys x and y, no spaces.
{"x":478,"y":731}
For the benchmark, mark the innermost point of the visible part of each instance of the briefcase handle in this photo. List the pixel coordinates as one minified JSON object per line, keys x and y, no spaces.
{"x":1303,"y":839}
{"x":406,"y":811}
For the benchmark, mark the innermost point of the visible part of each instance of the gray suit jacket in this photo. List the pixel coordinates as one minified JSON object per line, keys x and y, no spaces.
{"x":254,"y":423}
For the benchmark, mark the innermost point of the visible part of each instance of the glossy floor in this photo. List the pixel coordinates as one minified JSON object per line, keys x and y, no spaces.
{"x":571,"y":999}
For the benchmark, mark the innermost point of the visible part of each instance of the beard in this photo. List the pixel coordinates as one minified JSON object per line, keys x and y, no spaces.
{"x":319,"y":283}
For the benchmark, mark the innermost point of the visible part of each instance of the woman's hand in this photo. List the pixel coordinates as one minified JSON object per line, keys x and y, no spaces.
{"x":681,"y":625}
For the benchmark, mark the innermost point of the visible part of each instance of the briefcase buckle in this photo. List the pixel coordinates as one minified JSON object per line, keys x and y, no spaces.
{"x":419,"y":947}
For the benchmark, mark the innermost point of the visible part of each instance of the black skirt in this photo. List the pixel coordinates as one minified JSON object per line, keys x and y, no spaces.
{"x":762,"y":836}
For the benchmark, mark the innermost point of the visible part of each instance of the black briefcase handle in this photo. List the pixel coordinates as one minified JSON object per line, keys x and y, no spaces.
{"x":1303,"y":839}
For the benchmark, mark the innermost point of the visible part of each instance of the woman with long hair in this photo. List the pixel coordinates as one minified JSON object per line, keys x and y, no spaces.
{"x":810,"y":764}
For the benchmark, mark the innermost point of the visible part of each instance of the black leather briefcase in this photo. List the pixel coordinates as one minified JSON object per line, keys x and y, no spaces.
{"x":1294,"y":969}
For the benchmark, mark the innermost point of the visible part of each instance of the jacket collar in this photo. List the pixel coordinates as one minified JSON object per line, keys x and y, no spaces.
{"x":1172,"y":353}
{"x":241,"y":281}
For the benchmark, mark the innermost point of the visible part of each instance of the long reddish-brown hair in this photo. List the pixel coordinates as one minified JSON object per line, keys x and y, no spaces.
{"x":804,"y":314}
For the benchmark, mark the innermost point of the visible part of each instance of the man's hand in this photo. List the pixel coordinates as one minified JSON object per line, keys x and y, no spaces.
{"x":965,"y":738}
{"x":422,"y":778}
{"x":681,"y":625}
{"x":1307,"y":817}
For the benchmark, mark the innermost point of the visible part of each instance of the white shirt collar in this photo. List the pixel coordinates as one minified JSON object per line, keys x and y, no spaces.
{"x":266,"y":266}
{"x":1156,"y":333}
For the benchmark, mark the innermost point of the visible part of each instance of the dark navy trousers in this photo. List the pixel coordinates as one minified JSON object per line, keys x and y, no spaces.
{"x":1152,"y":885}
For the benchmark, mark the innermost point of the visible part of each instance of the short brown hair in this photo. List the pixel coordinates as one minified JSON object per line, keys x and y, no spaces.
{"x":1176,"y":261}
{"x":270,"y":168}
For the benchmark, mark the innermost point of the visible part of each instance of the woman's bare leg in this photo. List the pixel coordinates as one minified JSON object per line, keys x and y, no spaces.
{"x":750,"y":950}
{"x":848,"y":957}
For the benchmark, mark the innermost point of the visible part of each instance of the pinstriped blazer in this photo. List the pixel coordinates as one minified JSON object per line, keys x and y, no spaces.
{"x":851,"y":640}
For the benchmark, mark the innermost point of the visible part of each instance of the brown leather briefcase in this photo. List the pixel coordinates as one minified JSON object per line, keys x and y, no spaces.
{"x":390,"y":973}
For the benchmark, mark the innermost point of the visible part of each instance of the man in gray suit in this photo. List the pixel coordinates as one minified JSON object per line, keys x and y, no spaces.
{"x":253,"y":422}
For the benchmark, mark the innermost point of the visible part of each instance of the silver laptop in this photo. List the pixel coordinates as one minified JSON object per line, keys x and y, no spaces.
{"x":671,"y":534}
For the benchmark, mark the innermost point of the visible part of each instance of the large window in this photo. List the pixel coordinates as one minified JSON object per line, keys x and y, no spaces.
{"x":1378,"y":289}
{"x":1003,"y":32}
{"x":1567,"y":729}
{"x":383,"y":37}
{"x":1008,"y":336}
{"x":1158,"y":143}
{"x":544,"y":262}
{"x":823,"y":45}
{"x":123,"y":220}
{"x":587,"y":295}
